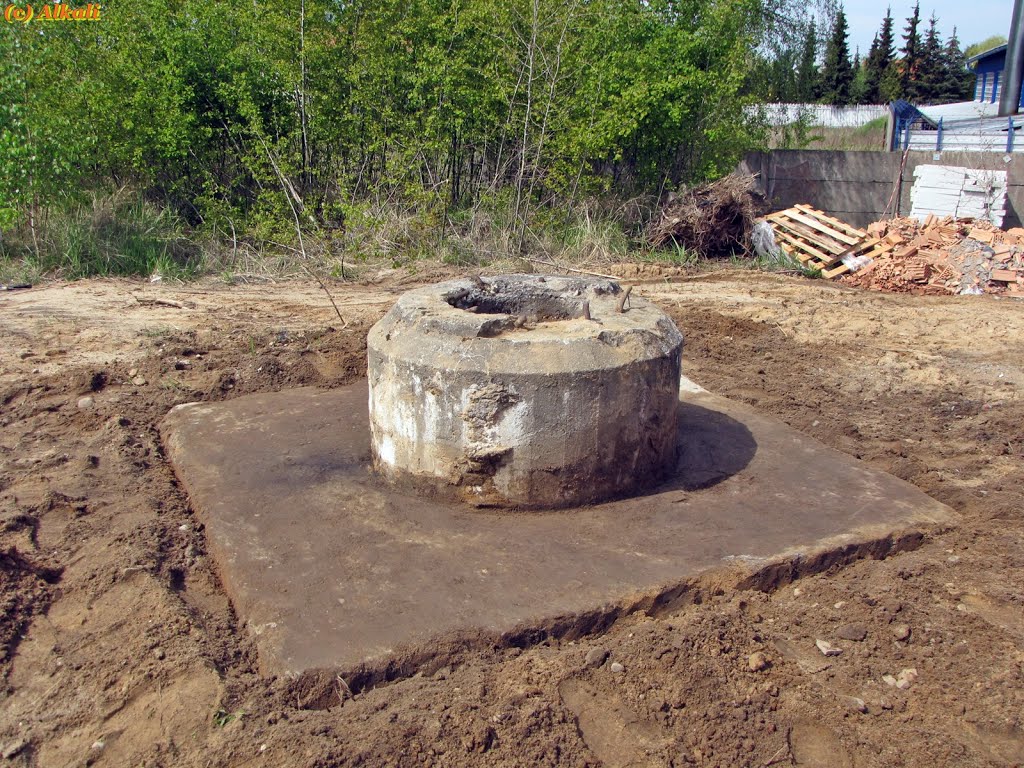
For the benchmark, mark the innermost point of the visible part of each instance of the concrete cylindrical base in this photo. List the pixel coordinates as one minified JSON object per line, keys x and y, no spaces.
{"x":502,"y":392}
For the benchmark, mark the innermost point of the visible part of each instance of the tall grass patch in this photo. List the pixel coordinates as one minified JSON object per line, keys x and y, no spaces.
{"x":109,"y":234}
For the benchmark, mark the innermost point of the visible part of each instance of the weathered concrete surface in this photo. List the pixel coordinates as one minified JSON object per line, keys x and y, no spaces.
{"x":857,"y":186}
{"x":853,"y":186}
{"x":501,"y":393}
{"x":328,"y":568}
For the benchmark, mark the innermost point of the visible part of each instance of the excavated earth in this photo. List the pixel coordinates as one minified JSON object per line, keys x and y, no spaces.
{"x":119,"y":646}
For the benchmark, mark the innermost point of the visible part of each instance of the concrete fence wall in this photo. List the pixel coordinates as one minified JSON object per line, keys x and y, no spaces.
{"x":857,"y":187}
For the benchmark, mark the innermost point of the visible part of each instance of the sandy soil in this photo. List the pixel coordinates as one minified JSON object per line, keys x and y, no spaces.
{"x":118,"y":646}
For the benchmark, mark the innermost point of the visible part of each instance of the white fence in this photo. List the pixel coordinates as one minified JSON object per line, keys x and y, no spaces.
{"x":824,"y":115}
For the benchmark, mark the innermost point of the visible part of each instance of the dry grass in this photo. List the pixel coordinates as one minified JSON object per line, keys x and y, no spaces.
{"x":870,"y":136}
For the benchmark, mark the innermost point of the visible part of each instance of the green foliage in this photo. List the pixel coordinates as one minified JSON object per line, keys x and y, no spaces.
{"x":931,"y":72}
{"x":911,"y":55}
{"x":667,"y":104}
{"x":306,"y":122}
{"x":595,"y":236}
{"x":798,"y":134}
{"x":678,"y":256}
{"x":957,"y":79}
{"x":222,"y":718}
{"x":836,"y":72}
{"x":984,"y":45}
{"x":928,"y":70}
{"x":807,"y":69}
{"x":859,"y":83}
{"x":814,"y":273}
{"x":880,"y":62}
{"x":41,"y":149}
{"x":891,"y":87}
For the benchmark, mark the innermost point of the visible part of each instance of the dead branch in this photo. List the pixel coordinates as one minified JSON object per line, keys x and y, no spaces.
{"x":714,"y":220}
{"x":159,"y":302}
{"x":316,"y":277}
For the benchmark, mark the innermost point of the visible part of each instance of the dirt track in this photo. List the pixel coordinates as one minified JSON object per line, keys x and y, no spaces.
{"x":118,"y":646}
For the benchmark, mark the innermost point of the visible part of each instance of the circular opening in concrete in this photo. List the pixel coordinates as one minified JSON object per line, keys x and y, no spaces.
{"x":534,"y":301}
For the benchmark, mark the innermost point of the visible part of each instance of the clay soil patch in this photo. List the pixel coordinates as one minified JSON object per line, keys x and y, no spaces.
{"x":121,"y":647}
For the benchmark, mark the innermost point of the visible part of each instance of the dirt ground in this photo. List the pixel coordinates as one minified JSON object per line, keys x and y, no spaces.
{"x":118,"y":646}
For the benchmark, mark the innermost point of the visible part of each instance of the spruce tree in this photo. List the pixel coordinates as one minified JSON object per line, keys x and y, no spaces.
{"x":859,"y":84}
{"x":892,"y":82}
{"x":870,"y":81}
{"x":957,"y":80}
{"x":836,"y":72}
{"x":911,"y":55}
{"x":807,"y":68}
{"x":780,"y":77}
{"x":879,"y":60}
{"x":931,"y":69}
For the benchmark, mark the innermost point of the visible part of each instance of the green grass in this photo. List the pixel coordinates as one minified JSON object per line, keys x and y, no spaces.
{"x":677,"y":255}
{"x":870,"y":136}
{"x":593,"y":237}
{"x":112,"y":234}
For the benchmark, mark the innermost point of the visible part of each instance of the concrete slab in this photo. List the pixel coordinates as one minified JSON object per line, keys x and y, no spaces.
{"x":329,"y":568}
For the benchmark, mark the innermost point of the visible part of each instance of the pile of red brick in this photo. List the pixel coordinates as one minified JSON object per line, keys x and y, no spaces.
{"x":944,"y":256}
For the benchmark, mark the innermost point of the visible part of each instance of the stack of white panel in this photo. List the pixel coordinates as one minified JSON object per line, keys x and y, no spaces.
{"x":949,"y":190}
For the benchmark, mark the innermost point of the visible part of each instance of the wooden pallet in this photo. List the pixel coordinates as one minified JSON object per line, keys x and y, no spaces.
{"x":820,"y":241}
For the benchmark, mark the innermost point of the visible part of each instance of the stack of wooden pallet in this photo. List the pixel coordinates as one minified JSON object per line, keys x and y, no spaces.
{"x":822,"y":242}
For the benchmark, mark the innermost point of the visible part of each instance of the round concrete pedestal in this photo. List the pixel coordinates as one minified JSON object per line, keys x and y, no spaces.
{"x":501,"y":391}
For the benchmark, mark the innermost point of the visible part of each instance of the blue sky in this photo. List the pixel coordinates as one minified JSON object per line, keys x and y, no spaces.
{"x":974,"y":19}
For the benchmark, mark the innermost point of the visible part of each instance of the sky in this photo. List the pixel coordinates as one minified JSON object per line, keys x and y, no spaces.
{"x":974,"y":20}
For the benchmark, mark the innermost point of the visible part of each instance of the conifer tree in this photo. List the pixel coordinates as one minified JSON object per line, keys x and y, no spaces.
{"x":836,"y":72}
{"x":879,"y":60}
{"x":931,"y":69}
{"x":859,"y":84}
{"x":957,"y":80}
{"x":892,"y":83}
{"x":872,"y":51}
{"x":911,"y":55}
{"x":807,"y":68}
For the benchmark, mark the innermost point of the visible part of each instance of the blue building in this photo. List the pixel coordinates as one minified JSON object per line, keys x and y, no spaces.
{"x":989,"y":70}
